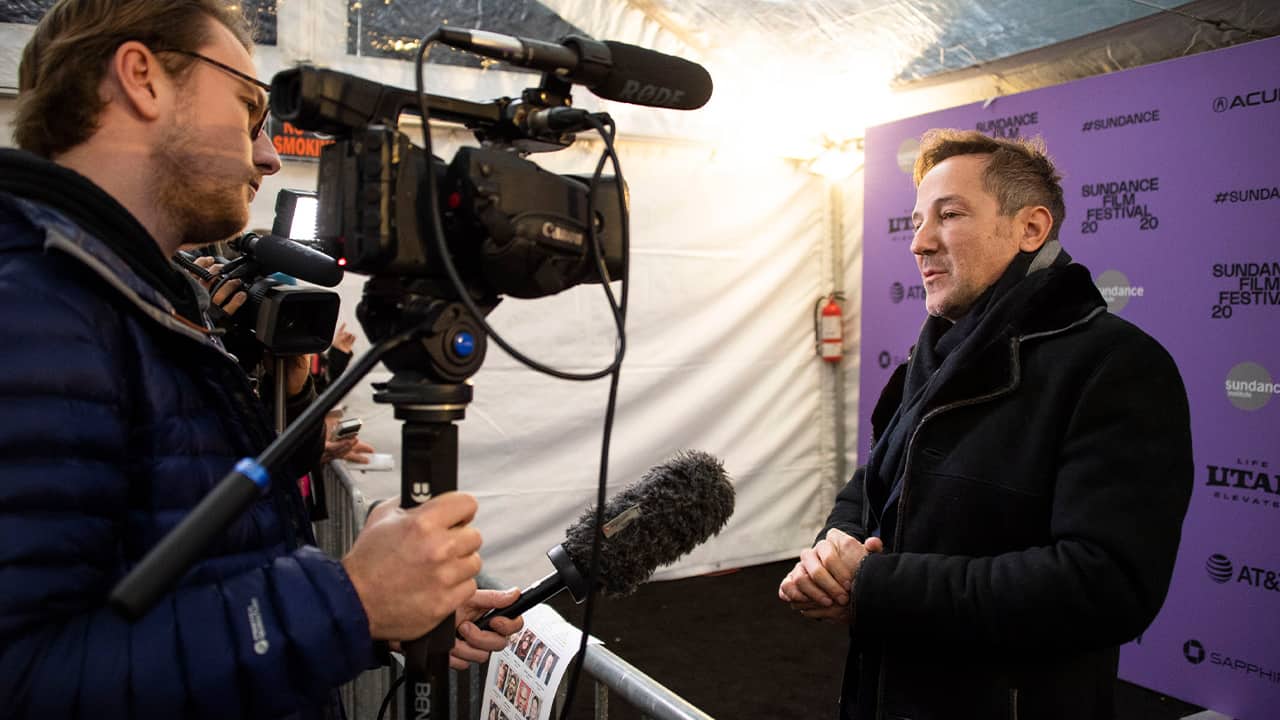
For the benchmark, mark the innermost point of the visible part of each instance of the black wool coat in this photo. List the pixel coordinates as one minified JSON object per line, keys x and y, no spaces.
{"x":1040,"y":514}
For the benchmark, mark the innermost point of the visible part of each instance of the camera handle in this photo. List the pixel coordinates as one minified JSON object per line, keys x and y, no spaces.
{"x":429,"y":467}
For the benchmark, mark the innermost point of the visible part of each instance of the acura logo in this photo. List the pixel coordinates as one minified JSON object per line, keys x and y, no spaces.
{"x":1220,"y":104}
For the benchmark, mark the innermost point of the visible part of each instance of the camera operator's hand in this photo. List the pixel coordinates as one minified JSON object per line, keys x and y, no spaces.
{"x":412,"y":568}
{"x":230,"y":296}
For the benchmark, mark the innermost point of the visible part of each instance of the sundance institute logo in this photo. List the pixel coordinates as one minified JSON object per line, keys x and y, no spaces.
{"x":907,"y":153}
{"x":1116,"y":290}
{"x":1219,"y":568}
{"x":1249,"y":386}
{"x":1193,"y":651}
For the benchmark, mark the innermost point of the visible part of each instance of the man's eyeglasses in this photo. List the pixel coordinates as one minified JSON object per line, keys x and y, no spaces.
{"x":256,"y":130}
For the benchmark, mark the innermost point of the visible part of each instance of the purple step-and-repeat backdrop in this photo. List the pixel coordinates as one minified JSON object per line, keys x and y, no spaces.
{"x":1172,"y":180}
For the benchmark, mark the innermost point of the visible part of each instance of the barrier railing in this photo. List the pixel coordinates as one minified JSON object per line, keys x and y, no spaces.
{"x":363,"y":697}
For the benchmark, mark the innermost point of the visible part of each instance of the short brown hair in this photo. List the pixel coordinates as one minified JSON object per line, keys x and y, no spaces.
{"x":1019,"y":173}
{"x":64,"y":62}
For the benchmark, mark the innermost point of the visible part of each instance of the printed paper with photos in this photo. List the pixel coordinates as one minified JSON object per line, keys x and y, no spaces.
{"x":523,"y":678}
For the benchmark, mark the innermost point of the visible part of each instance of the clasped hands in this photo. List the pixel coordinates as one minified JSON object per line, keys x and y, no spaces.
{"x":820,"y":586}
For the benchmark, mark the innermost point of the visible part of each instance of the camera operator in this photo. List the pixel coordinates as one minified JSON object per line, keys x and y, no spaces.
{"x":122,"y":410}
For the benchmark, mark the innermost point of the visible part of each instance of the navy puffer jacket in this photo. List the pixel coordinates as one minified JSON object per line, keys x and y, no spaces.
{"x":117,"y":415}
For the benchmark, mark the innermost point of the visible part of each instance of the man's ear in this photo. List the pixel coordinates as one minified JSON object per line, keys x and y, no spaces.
{"x":1033,"y":225}
{"x":139,"y":80}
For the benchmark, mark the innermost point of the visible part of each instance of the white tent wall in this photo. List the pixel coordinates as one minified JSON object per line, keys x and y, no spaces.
{"x":727,"y":258}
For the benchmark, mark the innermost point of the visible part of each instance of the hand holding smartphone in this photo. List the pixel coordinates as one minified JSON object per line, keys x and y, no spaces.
{"x":347,"y":428}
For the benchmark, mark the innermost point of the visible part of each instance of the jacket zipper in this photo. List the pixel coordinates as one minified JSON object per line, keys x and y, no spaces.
{"x":1013,"y":703}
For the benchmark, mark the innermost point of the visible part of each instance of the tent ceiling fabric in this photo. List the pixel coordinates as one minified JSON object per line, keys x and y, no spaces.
{"x":916,"y":39}
{"x":920,"y":37}
{"x":913,"y":39}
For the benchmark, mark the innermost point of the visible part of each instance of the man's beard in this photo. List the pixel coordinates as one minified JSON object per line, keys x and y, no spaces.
{"x":200,"y":189}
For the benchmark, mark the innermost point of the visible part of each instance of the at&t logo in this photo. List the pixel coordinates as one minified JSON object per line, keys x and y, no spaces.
{"x":1219,"y":568}
{"x":899,"y":292}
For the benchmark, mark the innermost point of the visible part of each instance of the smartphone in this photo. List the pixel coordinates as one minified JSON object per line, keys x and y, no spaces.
{"x":347,"y":428}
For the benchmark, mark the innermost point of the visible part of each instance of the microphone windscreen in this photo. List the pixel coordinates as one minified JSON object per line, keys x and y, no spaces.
{"x":674,"y":508}
{"x":641,"y":76}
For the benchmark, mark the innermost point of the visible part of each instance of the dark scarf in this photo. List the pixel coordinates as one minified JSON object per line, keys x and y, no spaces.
{"x":941,"y":351}
{"x":89,"y":206}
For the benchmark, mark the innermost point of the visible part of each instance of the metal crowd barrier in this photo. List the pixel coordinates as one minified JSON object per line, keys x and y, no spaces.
{"x":362,"y":697}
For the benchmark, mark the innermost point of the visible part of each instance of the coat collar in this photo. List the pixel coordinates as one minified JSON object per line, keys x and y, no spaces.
{"x":63,"y":235}
{"x":1067,"y":300}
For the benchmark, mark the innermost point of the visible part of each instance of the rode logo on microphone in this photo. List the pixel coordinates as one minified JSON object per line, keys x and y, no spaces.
{"x":634,"y":92}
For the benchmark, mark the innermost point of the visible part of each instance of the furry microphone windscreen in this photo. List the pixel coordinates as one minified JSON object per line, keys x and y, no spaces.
{"x":675,"y":507}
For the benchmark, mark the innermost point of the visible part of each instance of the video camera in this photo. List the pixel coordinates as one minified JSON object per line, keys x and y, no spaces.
{"x":283,"y":319}
{"x":509,"y":226}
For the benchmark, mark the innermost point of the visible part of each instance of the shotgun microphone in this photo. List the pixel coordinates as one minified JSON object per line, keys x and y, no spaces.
{"x":674,"y":508}
{"x":277,"y":254}
{"x":609,"y":69}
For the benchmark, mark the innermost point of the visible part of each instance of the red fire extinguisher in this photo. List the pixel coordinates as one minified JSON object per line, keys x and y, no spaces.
{"x":829,"y":323}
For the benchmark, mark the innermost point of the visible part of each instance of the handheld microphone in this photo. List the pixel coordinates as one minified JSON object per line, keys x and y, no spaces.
{"x":277,"y":254}
{"x":611,"y":70}
{"x":674,"y":508}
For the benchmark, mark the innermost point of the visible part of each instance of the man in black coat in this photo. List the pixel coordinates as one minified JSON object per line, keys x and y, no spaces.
{"x":1019,"y":514}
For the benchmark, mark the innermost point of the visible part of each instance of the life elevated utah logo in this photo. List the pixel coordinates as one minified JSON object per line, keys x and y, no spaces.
{"x":1246,"y":481}
{"x":900,"y":228}
{"x":1250,"y":99}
